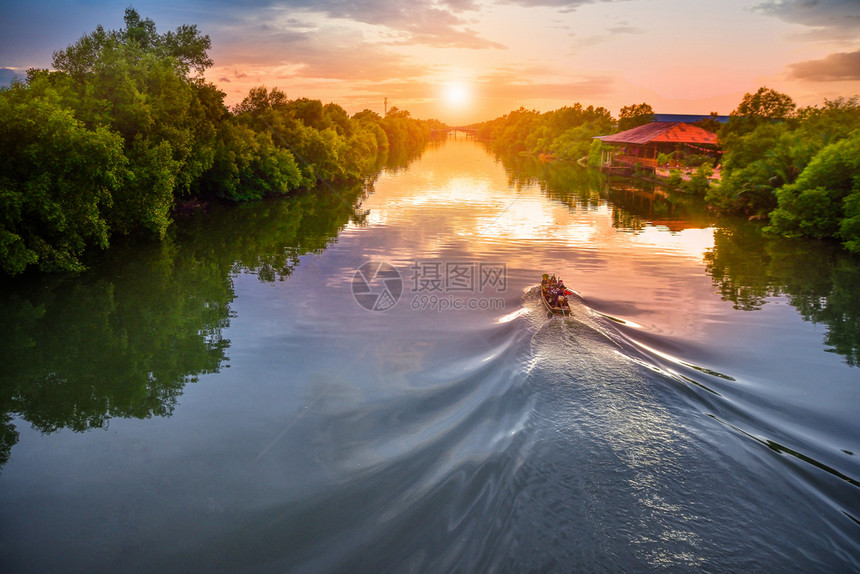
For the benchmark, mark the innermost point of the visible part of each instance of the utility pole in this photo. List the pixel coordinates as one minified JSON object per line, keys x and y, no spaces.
{"x":386,"y":108}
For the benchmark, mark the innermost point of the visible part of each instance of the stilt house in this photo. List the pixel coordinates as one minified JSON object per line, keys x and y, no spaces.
{"x":641,"y":145}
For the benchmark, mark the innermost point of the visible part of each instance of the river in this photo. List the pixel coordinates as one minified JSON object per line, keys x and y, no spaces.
{"x":363,"y":379}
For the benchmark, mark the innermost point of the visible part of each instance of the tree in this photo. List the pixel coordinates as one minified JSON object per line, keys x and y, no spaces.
{"x":815,"y":204}
{"x":764,"y":106}
{"x":140,"y":84}
{"x":248,"y":166}
{"x":710,"y":123}
{"x":185,"y":47}
{"x":635,"y":115}
{"x":57,"y":181}
{"x":259,"y":98}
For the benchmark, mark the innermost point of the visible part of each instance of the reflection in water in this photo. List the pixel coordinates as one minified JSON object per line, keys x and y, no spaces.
{"x":657,"y":428}
{"x":123,"y":339}
{"x":819,"y":279}
{"x":634,"y":204}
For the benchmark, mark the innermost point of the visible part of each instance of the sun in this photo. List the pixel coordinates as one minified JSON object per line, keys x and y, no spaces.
{"x":456,"y":94}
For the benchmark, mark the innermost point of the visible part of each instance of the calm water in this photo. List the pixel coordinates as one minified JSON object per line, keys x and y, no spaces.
{"x":222,"y":402}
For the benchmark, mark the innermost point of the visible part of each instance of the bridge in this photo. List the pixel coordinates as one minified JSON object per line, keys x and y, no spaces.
{"x":453,"y":130}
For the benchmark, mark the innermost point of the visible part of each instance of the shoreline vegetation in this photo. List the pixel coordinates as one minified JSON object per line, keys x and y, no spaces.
{"x":124,"y":133}
{"x":798,"y":169}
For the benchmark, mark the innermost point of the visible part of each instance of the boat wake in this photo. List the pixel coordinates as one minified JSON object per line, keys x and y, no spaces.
{"x":673,"y":419}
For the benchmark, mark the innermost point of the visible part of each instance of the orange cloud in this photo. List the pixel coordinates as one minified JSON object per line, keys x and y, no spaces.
{"x":842,"y":66}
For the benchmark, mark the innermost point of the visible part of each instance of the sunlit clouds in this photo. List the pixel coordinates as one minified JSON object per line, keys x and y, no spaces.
{"x":469,"y":60}
{"x":833,"y":68}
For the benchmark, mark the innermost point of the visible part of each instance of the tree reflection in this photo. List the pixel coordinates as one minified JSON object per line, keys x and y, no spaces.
{"x":634,"y":203}
{"x":819,"y":279}
{"x":123,"y":339}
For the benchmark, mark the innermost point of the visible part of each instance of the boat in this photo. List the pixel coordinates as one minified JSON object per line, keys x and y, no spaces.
{"x":546,"y":287}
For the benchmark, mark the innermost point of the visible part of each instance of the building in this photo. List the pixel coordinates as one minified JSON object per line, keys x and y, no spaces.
{"x":641,"y":146}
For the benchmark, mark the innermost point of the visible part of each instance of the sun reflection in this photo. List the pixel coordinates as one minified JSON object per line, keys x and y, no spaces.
{"x":691,"y":242}
{"x":481,"y":206}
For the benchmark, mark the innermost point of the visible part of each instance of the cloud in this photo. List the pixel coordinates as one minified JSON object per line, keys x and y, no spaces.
{"x":358,"y":60}
{"x":841,"y":66}
{"x":540,"y":84}
{"x":421,"y":22}
{"x":836,"y":16}
{"x":9,"y":74}
{"x":563,"y":5}
{"x":625,"y":28}
{"x":439,"y":23}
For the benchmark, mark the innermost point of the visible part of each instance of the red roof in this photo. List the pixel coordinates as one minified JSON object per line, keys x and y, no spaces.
{"x":671,"y":132}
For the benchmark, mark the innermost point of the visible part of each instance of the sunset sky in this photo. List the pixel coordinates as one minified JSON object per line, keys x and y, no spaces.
{"x":463,"y":61}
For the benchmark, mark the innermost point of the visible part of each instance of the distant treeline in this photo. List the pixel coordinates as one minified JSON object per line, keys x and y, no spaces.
{"x":799,"y":168}
{"x":125,"y":127}
{"x":566,"y":133}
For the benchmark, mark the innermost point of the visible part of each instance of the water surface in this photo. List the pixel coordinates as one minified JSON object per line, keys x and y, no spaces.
{"x":221,"y":402}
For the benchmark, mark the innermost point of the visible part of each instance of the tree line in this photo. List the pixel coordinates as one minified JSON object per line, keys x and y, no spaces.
{"x":798,"y":168}
{"x":124,"y":128}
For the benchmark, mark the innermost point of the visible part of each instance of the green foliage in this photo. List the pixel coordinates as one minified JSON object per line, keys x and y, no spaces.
{"x":595,"y":152}
{"x":403,"y":132}
{"x":815,"y":204}
{"x":566,"y":133}
{"x":126,"y":126}
{"x":800,"y":168}
{"x":137,"y":83}
{"x":185,"y":48}
{"x":326,"y":144}
{"x":574,"y":143}
{"x":675,"y":179}
{"x":665,"y":158}
{"x":635,"y":115}
{"x":764,"y":106}
{"x":849,"y":227}
{"x":260,"y":99}
{"x":56,"y":182}
{"x":833,"y":121}
{"x":249,"y":166}
{"x":699,"y":183}
{"x":758,"y":163}
{"x":710,"y":123}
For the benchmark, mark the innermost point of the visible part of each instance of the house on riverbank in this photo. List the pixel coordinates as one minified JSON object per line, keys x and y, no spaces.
{"x":642,"y":146}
